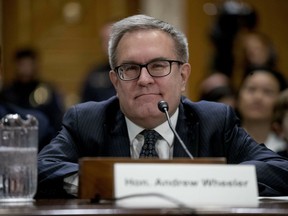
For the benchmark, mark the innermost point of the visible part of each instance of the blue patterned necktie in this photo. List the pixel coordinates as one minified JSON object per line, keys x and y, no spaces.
{"x":148,"y":149}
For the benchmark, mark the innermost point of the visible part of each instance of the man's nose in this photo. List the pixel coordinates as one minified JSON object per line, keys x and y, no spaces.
{"x":145,"y":77}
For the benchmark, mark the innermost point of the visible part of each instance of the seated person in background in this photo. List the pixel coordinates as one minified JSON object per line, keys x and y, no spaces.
{"x":280,"y":119}
{"x":256,"y":99}
{"x":29,"y":92}
{"x":259,"y":51}
{"x":45,"y":129}
{"x":97,"y":85}
{"x":212,"y":81}
{"x":216,"y":87}
{"x":149,"y":61}
{"x":221,"y":94}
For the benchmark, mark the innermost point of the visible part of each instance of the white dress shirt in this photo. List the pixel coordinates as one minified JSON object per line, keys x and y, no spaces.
{"x":164,"y":146}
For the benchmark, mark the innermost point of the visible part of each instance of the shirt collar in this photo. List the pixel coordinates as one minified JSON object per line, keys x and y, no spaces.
{"x":163,"y":129}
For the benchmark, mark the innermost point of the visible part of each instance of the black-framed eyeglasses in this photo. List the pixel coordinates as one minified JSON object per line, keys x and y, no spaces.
{"x":157,"y":68}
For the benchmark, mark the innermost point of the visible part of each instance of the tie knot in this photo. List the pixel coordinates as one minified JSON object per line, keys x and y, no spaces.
{"x":150,"y":135}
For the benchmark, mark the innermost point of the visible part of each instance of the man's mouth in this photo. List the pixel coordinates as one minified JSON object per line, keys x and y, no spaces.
{"x":147,"y":95}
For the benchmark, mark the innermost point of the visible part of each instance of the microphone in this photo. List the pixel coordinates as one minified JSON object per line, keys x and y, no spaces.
{"x":163,"y":107}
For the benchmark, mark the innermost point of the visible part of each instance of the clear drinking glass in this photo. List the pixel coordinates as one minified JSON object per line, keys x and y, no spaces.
{"x":18,"y":158}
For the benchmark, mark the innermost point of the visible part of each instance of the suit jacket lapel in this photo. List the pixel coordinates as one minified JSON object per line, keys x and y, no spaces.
{"x":118,"y":144}
{"x":188,"y":130}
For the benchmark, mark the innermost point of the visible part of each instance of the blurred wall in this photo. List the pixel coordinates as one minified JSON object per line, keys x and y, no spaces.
{"x":0,"y":25}
{"x":1,"y":12}
{"x":169,"y":10}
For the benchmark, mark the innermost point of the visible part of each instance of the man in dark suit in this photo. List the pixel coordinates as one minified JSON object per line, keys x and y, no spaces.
{"x":149,"y":61}
{"x":45,"y":129}
{"x":97,"y":85}
{"x":30,"y":92}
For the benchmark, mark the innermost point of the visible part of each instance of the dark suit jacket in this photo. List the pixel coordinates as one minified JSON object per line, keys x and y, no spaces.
{"x":208,"y":129}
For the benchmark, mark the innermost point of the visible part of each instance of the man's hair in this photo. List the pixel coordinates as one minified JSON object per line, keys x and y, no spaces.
{"x":143,"y":22}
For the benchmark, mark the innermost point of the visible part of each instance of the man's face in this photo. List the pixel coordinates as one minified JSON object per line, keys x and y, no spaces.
{"x":139,"y":98}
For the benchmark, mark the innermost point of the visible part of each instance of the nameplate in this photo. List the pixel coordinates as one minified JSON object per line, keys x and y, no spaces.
{"x":185,"y":185}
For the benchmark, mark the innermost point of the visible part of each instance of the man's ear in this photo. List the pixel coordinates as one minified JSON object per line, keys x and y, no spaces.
{"x":114,"y":79}
{"x":185,"y":73}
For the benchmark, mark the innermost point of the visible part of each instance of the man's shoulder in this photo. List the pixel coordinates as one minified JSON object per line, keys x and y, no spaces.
{"x":110,"y":105}
{"x":211,"y":113}
{"x":204,"y":106}
{"x":94,"y":113}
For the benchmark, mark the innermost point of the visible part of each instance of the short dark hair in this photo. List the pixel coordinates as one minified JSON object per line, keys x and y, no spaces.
{"x":25,"y":53}
{"x":218,"y":93}
{"x":276,"y":74}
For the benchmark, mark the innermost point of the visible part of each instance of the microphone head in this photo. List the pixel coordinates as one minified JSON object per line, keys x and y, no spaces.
{"x":163,"y":106}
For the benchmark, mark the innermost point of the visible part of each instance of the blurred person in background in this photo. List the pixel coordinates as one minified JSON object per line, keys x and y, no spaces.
{"x":212,"y":81}
{"x":233,"y":16}
{"x":221,"y":94}
{"x":254,"y":50}
{"x":217,"y":87}
{"x":29,"y":92}
{"x":280,"y":119}
{"x":97,"y":85}
{"x":256,"y":99}
{"x":45,"y":129}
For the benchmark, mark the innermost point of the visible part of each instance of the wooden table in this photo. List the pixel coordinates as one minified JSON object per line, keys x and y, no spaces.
{"x":85,"y":207}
